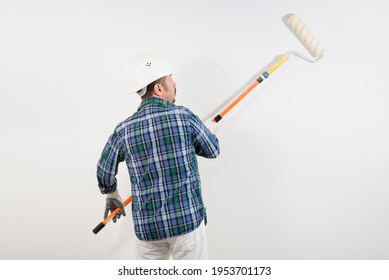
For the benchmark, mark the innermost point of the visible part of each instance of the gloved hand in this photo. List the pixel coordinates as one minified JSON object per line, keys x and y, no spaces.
{"x":113,"y":201}
{"x":212,"y":126}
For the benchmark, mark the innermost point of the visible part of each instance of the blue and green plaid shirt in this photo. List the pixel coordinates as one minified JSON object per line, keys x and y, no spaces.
{"x":159,"y":144}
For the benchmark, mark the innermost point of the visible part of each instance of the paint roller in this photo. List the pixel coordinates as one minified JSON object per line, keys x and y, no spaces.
{"x":310,"y":41}
{"x":306,"y":36}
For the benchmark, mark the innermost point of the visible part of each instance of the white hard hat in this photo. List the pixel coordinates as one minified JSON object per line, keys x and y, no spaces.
{"x":143,"y":69}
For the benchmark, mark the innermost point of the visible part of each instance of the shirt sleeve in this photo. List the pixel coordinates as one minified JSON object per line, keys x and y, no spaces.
{"x":107,"y":166}
{"x":206,"y":144}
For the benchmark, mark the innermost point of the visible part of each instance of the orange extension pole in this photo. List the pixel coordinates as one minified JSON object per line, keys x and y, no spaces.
{"x":264,"y":76}
{"x":110,"y":216}
{"x":237,"y":100}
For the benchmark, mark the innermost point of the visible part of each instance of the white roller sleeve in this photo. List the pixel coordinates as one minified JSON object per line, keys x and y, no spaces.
{"x":307,"y":37}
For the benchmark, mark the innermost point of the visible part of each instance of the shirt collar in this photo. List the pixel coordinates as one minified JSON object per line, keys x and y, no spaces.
{"x":155,"y":102}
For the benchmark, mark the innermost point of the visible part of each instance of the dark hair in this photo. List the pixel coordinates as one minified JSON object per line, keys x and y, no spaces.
{"x":150,"y":87}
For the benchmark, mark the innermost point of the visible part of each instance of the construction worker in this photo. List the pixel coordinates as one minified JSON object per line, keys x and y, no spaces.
{"x":159,"y":144}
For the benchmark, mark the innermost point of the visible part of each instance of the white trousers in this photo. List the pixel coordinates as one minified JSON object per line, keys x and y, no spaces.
{"x":190,"y":246}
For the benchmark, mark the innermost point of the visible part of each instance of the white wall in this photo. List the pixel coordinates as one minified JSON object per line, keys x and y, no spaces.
{"x":303,"y":170}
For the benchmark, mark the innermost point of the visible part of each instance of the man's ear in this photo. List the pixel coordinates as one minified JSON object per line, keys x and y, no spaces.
{"x":158,"y":89}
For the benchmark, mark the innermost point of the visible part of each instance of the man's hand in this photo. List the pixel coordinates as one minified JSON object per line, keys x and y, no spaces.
{"x":213,"y":127}
{"x":114,"y":201}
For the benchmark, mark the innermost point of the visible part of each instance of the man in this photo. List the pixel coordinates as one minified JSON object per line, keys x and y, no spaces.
{"x":159,"y":144}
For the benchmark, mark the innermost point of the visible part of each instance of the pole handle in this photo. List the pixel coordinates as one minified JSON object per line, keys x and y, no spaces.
{"x":98,"y":228}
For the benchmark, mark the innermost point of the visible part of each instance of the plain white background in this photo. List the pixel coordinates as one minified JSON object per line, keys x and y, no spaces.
{"x":303,"y":170}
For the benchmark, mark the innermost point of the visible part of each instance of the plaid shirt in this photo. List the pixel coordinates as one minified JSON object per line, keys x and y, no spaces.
{"x":159,"y":144}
